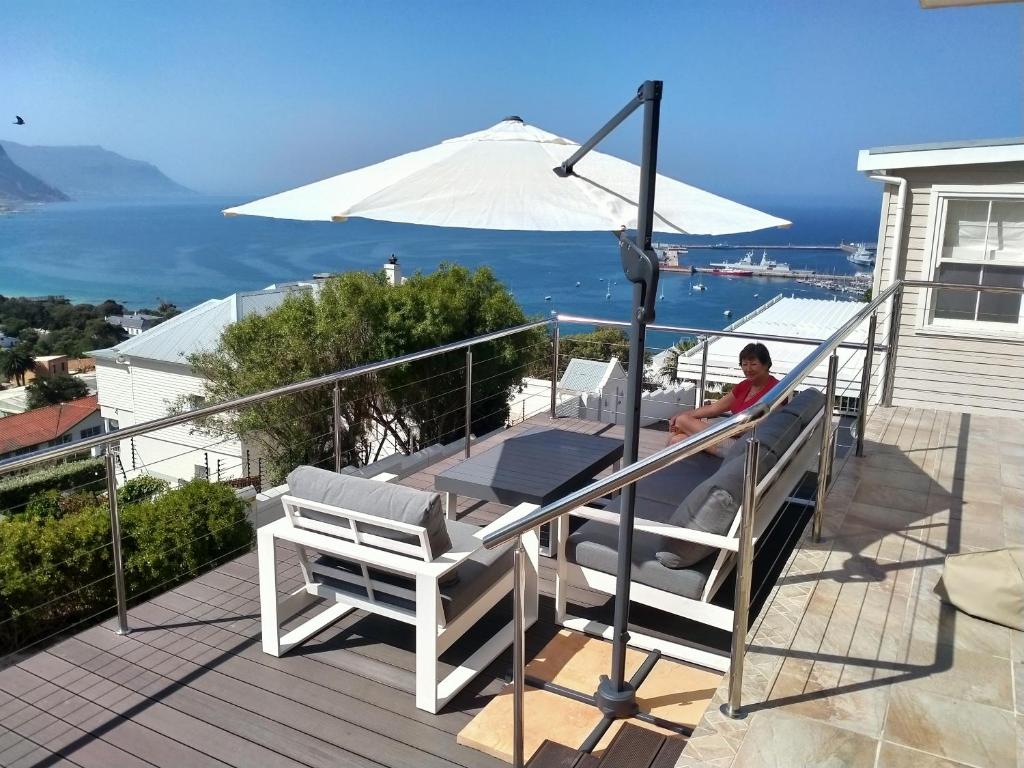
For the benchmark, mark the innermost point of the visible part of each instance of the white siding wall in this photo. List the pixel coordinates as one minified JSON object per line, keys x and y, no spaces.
{"x":146,"y":390}
{"x":960,"y":374}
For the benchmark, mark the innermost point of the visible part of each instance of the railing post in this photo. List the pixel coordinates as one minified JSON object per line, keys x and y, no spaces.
{"x":744,"y":566}
{"x":865,"y":383}
{"x":890,"y":353}
{"x":115,"y":540}
{"x":469,"y":396}
{"x":518,"y":650}
{"x":703,"y":373}
{"x":554,"y":366}
{"x":336,"y":424}
{"x":825,"y":456}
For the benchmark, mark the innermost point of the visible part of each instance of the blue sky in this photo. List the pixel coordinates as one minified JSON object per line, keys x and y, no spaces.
{"x":764,"y":101}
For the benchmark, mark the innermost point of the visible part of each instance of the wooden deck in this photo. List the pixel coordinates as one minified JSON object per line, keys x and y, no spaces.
{"x":190,"y":685}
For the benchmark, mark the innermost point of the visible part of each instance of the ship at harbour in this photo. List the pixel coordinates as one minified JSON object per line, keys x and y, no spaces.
{"x":862,"y":257}
{"x":747,"y":267}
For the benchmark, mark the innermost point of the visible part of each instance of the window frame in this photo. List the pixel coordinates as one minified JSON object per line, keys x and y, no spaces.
{"x":939,"y":199}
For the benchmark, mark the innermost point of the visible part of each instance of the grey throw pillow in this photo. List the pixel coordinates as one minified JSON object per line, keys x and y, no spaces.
{"x":710,"y":507}
{"x":372,"y":497}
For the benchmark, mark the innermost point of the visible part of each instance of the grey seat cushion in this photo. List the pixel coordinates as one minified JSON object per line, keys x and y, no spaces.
{"x":595,"y":545}
{"x":372,"y":497}
{"x":674,"y":483}
{"x":471,"y":579}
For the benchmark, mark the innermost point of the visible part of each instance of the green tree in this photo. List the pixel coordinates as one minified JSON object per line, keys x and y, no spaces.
{"x":358,"y":318}
{"x":15,"y":363}
{"x":50,"y":390}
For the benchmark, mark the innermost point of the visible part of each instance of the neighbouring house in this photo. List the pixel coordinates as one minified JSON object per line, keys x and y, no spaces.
{"x":35,"y":430}
{"x":145,"y":376}
{"x":954,"y":213}
{"x":15,"y":399}
{"x":135,"y":323}
{"x":812,"y":319}
{"x":596,"y":391}
{"x":48,"y":365}
{"x":8,"y":342}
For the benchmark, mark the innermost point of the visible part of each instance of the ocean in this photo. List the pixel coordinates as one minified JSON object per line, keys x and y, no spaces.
{"x":186,"y":252}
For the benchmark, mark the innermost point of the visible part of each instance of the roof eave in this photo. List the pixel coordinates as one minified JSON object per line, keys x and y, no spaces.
{"x":937,"y":155}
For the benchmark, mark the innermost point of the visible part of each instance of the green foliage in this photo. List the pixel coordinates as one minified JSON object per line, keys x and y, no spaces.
{"x":16,"y":491}
{"x":51,"y":390}
{"x":57,"y":571}
{"x":867,"y":295}
{"x":141,"y":488}
{"x":74,"y":329}
{"x":670,"y":367}
{"x":358,"y":318}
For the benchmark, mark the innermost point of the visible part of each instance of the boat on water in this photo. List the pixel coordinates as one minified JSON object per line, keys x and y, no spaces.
{"x":747,"y":267}
{"x":862,"y":257}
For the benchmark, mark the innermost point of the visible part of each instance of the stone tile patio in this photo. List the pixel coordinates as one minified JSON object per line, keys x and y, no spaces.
{"x":855,"y":661}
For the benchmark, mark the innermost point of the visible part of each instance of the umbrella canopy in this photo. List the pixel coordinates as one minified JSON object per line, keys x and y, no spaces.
{"x":502,"y":178}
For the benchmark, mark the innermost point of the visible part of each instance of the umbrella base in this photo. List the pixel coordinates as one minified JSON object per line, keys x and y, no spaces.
{"x":615,"y":703}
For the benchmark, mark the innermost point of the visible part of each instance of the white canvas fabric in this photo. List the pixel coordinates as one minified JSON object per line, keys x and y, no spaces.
{"x":502,"y":178}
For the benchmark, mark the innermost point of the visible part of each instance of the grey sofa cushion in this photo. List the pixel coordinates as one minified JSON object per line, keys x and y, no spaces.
{"x":595,"y":545}
{"x":805,"y":405}
{"x":471,"y":579}
{"x":372,"y":497}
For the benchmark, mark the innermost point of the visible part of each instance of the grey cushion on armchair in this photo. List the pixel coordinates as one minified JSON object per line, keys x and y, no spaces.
{"x":372,"y":497}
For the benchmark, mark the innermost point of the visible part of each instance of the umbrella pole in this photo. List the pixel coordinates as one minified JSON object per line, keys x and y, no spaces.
{"x":615,"y":696}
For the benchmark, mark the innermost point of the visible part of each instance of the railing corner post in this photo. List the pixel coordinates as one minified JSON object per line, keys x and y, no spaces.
{"x":744,"y":567}
{"x":518,"y":651}
{"x":825,"y":454}
{"x":555,"y":338}
{"x":469,"y":398}
{"x":336,"y":409}
{"x":110,"y":459}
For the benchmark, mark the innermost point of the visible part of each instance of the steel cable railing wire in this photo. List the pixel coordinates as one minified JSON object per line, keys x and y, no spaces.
{"x":13,"y":656}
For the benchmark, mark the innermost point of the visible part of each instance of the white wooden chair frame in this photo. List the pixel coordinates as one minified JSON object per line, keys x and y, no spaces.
{"x":772,"y":492}
{"x":348,"y":540}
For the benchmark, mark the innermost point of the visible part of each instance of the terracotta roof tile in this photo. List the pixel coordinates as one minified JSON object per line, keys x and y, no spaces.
{"x":41,"y":425}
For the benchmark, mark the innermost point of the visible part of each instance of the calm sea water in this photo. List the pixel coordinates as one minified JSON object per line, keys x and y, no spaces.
{"x":187,"y":253}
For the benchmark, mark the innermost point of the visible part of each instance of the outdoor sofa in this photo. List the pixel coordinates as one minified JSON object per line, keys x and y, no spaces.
{"x":388,"y":549}
{"x":687,"y":523}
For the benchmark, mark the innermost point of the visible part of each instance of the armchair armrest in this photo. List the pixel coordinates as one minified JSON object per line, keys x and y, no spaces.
{"x":513,"y":515}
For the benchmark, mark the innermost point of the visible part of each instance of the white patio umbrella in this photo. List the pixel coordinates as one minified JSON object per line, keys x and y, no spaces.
{"x":501,"y":178}
{"x":514,"y":176}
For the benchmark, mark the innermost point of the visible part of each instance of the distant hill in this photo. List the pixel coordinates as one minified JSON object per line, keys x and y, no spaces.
{"x":18,"y":185}
{"x":94,"y":173}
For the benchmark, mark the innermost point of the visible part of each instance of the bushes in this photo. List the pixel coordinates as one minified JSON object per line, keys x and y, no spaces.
{"x":16,"y":491}
{"x":56,"y":571}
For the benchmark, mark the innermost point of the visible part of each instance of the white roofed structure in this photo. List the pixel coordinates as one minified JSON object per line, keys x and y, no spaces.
{"x":812,"y":319}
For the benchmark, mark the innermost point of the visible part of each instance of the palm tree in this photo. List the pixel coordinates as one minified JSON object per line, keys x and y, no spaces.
{"x":16,"y":363}
{"x":670,"y":367}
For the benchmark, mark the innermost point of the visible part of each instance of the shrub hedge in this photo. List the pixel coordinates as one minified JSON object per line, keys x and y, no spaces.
{"x":57,"y":572}
{"x":16,"y":491}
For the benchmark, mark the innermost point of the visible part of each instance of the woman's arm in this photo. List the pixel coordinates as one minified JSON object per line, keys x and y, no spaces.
{"x":716,"y":408}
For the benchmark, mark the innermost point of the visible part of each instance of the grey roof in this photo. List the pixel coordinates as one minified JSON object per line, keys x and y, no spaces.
{"x":199,"y":329}
{"x":970,"y":144}
{"x":583,"y":375}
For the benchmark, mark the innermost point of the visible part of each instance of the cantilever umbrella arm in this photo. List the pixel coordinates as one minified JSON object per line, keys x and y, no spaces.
{"x":615,"y":696}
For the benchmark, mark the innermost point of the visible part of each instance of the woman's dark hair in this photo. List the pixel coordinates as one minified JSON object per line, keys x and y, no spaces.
{"x":757,"y":352}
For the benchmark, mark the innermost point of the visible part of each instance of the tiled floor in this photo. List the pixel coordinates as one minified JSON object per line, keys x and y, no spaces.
{"x":855,"y":661}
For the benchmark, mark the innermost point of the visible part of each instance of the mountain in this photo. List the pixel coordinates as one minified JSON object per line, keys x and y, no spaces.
{"x":94,"y":173}
{"x":17,"y":184}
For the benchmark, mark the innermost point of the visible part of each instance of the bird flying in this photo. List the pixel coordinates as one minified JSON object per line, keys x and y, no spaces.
{"x":19,"y":120}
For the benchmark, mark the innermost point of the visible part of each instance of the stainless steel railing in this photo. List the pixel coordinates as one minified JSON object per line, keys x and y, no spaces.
{"x":692,"y":445}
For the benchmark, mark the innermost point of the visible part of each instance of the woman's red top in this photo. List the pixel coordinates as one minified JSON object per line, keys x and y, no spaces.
{"x":741,"y":397}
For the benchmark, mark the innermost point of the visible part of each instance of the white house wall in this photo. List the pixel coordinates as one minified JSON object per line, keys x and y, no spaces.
{"x":962,"y":374}
{"x":114,"y":392}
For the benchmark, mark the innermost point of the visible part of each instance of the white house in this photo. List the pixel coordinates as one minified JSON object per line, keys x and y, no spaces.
{"x":812,"y":319}
{"x":599,"y":392}
{"x":954,"y":213}
{"x":142,"y":377}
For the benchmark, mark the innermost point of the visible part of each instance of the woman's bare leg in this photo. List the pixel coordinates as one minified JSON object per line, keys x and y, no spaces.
{"x":684,"y":426}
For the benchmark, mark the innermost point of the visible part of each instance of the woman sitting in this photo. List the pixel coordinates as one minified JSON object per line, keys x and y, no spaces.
{"x":756,"y":364}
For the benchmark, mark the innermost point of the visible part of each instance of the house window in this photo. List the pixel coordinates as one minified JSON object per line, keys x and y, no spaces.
{"x":980,"y":241}
{"x":90,"y":432}
{"x":60,"y":440}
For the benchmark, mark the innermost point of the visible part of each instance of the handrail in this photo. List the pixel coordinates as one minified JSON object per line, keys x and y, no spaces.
{"x":259,"y":397}
{"x":734,"y":425}
{"x":581,"y":319}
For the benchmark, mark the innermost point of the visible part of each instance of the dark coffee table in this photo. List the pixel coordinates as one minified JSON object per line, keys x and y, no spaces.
{"x":536,"y":467}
